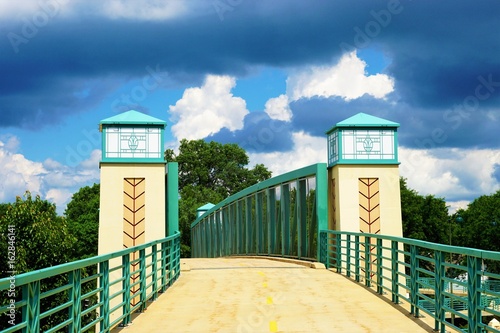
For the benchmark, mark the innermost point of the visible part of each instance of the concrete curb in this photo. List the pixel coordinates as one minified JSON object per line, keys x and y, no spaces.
{"x":309,"y":264}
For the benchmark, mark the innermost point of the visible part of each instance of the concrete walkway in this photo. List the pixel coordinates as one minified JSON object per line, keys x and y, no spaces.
{"x":240,"y":295}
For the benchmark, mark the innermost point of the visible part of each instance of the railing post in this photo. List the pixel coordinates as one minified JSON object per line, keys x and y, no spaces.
{"x":271,"y":218}
{"x":177,"y":261}
{"x":394,"y":272}
{"x":367,"y":261}
{"x":126,"y":289}
{"x":323,"y":238}
{"x":142,"y":277}
{"x":301,"y":213}
{"x":338,"y":252}
{"x":31,"y":312}
{"x":439,"y":289}
{"x":165,"y":264}
{"x":357,"y":256}
{"x":380,"y":279}
{"x":239,"y":227}
{"x":285,"y":219}
{"x":259,"y":224}
{"x":75,"y":309}
{"x":227,"y":232}
{"x":154,"y":265}
{"x":208,"y":225}
{"x":348,"y":256}
{"x":104,"y":294}
{"x":414,"y":276}
{"x":219,"y":234}
{"x":474,"y":294}
{"x":248,"y":225}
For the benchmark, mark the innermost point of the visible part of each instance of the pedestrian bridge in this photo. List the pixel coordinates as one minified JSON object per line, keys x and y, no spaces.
{"x":263,"y":260}
{"x":237,"y":294}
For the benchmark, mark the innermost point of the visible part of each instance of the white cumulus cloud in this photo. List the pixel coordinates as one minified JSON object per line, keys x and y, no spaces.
{"x":52,"y":180}
{"x":450,"y":172}
{"x":346,"y":79}
{"x":205,"y":110}
{"x":307,"y":150}
{"x":278,"y":108}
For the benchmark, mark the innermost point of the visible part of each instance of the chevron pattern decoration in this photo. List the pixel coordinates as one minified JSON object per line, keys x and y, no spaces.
{"x":369,"y":210}
{"x":333,"y":202}
{"x":134,"y":208}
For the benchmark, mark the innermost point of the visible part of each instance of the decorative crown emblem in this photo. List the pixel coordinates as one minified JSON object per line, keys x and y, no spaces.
{"x":133,"y":142}
{"x":368,"y":144}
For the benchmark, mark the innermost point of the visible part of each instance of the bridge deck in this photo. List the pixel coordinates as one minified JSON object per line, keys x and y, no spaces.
{"x":262,"y":295}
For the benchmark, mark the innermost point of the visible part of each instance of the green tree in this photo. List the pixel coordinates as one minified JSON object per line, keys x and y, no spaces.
{"x":82,"y":214}
{"x":209,"y":172}
{"x":481,"y":226}
{"x":42,"y":238}
{"x":3,"y":209}
{"x":424,"y":217}
{"x":35,"y":237}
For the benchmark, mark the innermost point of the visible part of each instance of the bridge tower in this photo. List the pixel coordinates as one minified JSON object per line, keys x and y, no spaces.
{"x":132,"y":195}
{"x":363,"y":173}
{"x":133,"y":190}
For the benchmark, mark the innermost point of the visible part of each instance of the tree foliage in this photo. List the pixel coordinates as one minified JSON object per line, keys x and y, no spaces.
{"x":42,"y":238}
{"x":209,"y":172}
{"x":32,"y":237}
{"x":424,"y":217}
{"x":82,"y":214}
{"x":481,"y":223}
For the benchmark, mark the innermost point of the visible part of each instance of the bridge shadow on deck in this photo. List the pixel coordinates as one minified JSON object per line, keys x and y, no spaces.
{"x":265,"y":295}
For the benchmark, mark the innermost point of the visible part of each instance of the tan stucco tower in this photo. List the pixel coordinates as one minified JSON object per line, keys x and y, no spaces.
{"x":363,"y":170}
{"x":132,"y":195}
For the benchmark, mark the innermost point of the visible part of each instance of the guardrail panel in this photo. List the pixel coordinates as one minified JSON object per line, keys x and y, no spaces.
{"x":75,"y":297}
{"x":448,"y":283}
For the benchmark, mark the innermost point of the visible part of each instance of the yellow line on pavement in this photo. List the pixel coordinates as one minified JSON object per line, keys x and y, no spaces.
{"x":273,"y":326}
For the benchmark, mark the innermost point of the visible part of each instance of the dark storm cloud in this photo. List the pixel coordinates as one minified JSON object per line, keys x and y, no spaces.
{"x":440,"y":52}
{"x":259,"y":134}
{"x":419,"y":128}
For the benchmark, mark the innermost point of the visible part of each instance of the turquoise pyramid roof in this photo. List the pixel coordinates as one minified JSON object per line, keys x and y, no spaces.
{"x":364,"y":120}
{"x":133,"y":117}
{"x":206,"y":207}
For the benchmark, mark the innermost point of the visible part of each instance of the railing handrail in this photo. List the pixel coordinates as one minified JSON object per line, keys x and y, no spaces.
{"x":406,"y":269}
{"x":484,"y":254}
{"x":274,"y":181}
{"x":43,"y":273}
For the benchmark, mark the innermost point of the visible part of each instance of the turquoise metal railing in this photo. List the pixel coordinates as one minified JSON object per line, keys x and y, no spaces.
{"x":90,"y":295}
{"x":447,"y":283}
{"x":280,"y":216}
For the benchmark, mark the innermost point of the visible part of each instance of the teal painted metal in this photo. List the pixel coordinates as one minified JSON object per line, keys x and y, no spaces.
{"x":259,"y":228}
{"x":281,"y":216}
{"x":134,"y":137}
{"x":363,"y":139}
{"x":172,"y":199}
{"x":133,"y":117}
{"x":364,"y":120}
{"x":75,"y":310}
{"x":426,"y":269}
{"x":285,"y":219}
{"x":271,"y":217}
{"x":320,"y":219}
{"x":75,"y":279}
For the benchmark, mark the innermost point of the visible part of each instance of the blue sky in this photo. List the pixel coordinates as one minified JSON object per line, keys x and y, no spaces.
{"x":272,"y":76}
